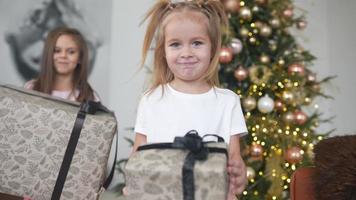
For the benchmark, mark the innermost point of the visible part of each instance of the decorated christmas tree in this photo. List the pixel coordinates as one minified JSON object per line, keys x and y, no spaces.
{"x":263,"y":63}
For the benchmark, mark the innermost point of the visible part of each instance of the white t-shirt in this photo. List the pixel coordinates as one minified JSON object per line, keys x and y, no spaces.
{"x":68,"y":94}
{"x":163,"y":117}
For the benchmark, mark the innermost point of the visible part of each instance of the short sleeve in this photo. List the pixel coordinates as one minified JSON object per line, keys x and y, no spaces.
{"x":238,"y":124}
{"x":140,"y":125}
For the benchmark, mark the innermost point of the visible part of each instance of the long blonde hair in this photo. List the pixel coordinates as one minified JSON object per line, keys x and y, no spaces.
{"x":215,"y":13}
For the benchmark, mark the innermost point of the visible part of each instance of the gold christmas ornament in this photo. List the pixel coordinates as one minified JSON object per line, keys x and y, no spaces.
{"x":281,"y":62}
{"x":241,"y":73}
{"x":311,"y":77}
{"x":288,"y":13}
{"x":260,"y":74}
{"x":265,"y":30}
{"x":307,"y":100}
{"x":232,"y":6}
{"x":278,"y":105}
{"x":296,"y":68}
{"x":258,"y":24}
{"x":293,"y":155}
{"x":300,"y":117}
{"x":256,"y":150}
{"x":289,"y":85}
{"x":225,"y":55}
{"x":255,"y":9}
{"x":252,"y":40}
{"x":288,"y":117}
{"x":264,"y":59}
{"x":250,"y":173}
{"x":249,"y":103}
{"x":245,"y":13}
{"x":301,"y":24}
{"x":244,"y":32}
{"x":287,"y":96}
{"x":275,"y":22}
{"x":272,"y":45}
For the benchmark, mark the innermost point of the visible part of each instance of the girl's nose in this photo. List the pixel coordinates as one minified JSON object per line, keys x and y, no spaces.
{"x":63,"y":54}
{"x":186,"y":52}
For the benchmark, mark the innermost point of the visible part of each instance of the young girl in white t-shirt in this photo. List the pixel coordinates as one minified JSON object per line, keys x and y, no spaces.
{"x":64,"y":67}
{"x":184,"y":94}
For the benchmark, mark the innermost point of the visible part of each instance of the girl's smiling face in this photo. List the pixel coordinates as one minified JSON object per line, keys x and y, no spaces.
{"x":66,"y":55}
{"x":187,"y":46}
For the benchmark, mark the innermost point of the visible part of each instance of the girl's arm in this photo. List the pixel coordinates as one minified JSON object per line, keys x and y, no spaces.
{"x":140,"y":139}
{"x":236,"y":169}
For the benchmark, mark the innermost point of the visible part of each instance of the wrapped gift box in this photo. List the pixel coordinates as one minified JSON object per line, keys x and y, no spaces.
{"x":172,"y":171}
{"x":34,"y":132}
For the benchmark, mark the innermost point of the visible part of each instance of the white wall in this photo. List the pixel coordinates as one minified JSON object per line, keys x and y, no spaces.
{"x":315,"y":39}
{"x":126,"y":78}
{"x":341,"y":20}
{"x":330,"y":37}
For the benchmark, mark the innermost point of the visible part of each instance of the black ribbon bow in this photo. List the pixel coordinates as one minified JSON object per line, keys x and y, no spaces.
{"x":194,"y":143}
{"x":197,"y":151}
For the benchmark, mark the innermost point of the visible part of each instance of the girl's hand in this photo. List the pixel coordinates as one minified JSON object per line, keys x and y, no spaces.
{"x":124,"y":192}
{"x":237,"y":177}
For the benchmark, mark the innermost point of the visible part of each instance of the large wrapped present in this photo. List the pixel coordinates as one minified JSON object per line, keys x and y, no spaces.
{"x":51,"y":148}
{"x":186,"y":169}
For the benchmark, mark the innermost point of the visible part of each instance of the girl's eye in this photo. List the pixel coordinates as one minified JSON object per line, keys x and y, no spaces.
{"x":72,"y":51}
{"x":57,"y":50}
{"x":197,"y":43}
{"x":174,"y":44}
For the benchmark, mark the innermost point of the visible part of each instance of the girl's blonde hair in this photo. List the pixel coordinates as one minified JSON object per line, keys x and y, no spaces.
{"x":217,"y":19}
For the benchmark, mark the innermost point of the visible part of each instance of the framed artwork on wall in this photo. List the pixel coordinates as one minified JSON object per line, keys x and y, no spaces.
{"x":24,"y":27}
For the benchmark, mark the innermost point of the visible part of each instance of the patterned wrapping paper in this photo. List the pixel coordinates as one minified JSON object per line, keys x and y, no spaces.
{"x":34,"y":132}
{"x":156,"y":174}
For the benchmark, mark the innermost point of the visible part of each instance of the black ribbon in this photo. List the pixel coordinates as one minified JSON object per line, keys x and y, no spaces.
{"x":197,"y":151}
{"x":87,"y":107}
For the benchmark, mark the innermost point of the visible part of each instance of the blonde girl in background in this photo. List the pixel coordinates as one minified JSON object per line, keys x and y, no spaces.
{"x":64,"y":67}
{"x":184,"y":93}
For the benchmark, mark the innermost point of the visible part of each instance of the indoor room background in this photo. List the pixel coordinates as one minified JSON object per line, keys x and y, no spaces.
{"x":115,"y":30}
